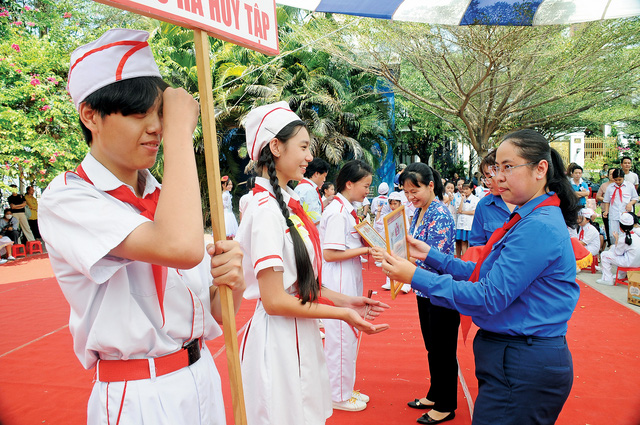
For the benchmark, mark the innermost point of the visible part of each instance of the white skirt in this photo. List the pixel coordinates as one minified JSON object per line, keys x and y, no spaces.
{"x":284,"y":373}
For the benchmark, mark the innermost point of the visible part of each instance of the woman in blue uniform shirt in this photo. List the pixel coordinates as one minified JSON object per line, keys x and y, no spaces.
{"x":525,"y":292}
{"x":491,"y":212}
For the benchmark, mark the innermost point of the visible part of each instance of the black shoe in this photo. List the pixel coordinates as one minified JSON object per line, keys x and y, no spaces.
{"x":417,"y":405}
{"x":426,"y":419}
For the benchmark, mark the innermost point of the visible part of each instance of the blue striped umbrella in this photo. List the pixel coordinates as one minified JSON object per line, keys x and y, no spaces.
{"x":473,"y":12}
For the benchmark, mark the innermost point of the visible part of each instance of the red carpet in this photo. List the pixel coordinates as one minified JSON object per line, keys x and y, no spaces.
{"x":42,"y":382}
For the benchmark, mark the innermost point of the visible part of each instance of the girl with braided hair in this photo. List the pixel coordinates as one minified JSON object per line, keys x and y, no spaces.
{"x":283,"y":365}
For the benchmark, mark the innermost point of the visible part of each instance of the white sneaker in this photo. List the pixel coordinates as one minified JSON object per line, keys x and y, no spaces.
{"x":2,"y":261}
{"x":359,"y":396}
{"x":604,"y":282}
{"x":387,"y":286}
{"x":351,"y":405}
{"x":406,"y":288}
{"x":598,"y":268}
{"x":11,"y":258}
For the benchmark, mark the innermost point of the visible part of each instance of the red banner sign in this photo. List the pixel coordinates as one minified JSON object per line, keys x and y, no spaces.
{"x":252,"y":24}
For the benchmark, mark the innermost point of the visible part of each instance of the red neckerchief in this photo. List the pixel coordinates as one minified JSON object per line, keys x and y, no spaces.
{"x":147,"y":207}
{"x":619,"y":190}
{"x":581,"y":235}
{"x":314,"y":235}
{"x":353,"y":211}
{"x":500,"y":232}
{"x":480,"y":253}
{"x":310,"y":183}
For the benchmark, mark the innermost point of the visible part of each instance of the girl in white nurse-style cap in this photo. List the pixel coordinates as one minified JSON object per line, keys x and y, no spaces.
{"x":282,"y":348}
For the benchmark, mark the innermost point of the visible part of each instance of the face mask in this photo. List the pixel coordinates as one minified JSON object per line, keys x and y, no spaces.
{"x":8,"y":216}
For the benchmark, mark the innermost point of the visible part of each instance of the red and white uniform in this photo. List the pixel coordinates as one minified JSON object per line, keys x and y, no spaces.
{"x":618,"y":197}
{"x":284,"y":372}
{"x":115,"y":313}
{"x":337,"y":232}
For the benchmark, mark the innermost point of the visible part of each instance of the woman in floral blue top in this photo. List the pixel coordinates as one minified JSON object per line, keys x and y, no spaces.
{"x":433,"y":224}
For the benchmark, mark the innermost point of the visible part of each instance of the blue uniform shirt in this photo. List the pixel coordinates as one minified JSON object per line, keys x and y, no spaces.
{"x":491,"y":213}
{"x":527,"y":282}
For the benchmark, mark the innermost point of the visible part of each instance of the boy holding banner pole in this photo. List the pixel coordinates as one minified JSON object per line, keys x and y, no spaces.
{"x":141,"y":297}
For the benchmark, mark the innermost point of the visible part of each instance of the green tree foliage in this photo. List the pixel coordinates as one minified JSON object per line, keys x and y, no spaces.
{"x":39,"y":132}
{"x":486,"y":80}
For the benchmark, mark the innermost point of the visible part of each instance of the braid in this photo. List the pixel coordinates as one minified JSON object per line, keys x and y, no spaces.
{"x":308,"y":287}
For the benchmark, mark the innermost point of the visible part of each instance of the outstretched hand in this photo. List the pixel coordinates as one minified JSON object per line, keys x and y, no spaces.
{"x":361,"y":309}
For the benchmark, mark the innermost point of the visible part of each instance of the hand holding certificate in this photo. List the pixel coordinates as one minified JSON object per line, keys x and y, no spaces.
{"x":395,"y":229}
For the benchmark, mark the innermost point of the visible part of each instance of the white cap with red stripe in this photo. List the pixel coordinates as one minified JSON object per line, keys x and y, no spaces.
{"x":118,"y":55}
{"x":263,"y":123}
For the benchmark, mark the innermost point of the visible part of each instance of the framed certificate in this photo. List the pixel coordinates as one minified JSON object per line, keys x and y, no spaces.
{"x":370,"y":235}
{"x":395,"y":231}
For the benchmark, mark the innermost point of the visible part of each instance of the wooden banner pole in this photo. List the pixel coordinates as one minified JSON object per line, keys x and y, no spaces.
{"x":212,"y":159}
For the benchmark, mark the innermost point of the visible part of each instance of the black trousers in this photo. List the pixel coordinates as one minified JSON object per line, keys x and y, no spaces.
{"x":14,"y":235}
{"x":439,"y":327}
{"x":605,"y":222}
{"x":33,"y":224}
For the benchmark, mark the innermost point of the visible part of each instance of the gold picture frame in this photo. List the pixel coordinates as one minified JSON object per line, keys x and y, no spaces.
{"x":395,"y":231}
{"x":370,"y":235}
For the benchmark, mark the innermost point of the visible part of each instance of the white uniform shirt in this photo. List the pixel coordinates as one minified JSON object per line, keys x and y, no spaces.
{"x":268,"y":244}
{"x":591,"y":237}
{"x":244,"y":202}
{"x":337,"y":220}
{"x":114,"y":307}
{"x":632,"y":178}
{"x":465,"y":221}
{"x":617,"y":207}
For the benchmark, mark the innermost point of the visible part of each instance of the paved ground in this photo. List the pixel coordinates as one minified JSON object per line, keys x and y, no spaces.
{"x":617,"y":293}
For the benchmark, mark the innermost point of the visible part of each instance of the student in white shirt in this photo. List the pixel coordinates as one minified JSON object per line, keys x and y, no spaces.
{"x":309,"y":188}
{"x":586,"y":233}
{"x":619,"y":197}
{"x":141,"y":308}
{"x":466,"y":210}
{"x":282,"y":348}
{"x":624,"y":253}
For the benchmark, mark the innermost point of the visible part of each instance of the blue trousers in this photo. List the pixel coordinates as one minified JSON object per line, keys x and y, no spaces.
{"x":521,"y":380}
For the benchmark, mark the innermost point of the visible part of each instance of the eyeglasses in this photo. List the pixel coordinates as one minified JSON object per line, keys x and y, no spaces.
{"x":506,"y":170}
{"x":486,"y":180}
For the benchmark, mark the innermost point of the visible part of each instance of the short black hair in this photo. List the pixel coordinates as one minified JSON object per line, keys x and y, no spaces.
{"x":625,"y":157}
{"x":317,"y":165}
{"x":128,"y":97}
{"x":7,"y":210}
{"x":13,"y":185}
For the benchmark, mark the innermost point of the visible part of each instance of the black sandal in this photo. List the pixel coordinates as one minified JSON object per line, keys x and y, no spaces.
{"x":426,"y":419}
{"x":415,"y":404}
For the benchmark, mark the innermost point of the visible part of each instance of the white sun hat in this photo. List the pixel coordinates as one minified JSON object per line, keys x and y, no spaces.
{"x":263,"y":123}
{"x":120,"y":54}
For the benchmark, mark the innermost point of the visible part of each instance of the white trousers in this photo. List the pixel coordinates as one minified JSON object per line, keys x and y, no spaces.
{"x":609,"y":260}
{"x":340,"y":346}
{"x":191,"y":395}
{"x":24,"y":225}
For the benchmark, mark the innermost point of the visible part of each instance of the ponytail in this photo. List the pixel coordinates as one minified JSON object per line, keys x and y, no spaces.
{"x":533,"y":147}
{"x":308,"y":287}
{"x":627,"y":233}
{"x":558,"y":183}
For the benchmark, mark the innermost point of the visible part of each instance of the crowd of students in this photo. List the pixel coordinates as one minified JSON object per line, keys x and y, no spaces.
{"x":143,"y":300}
